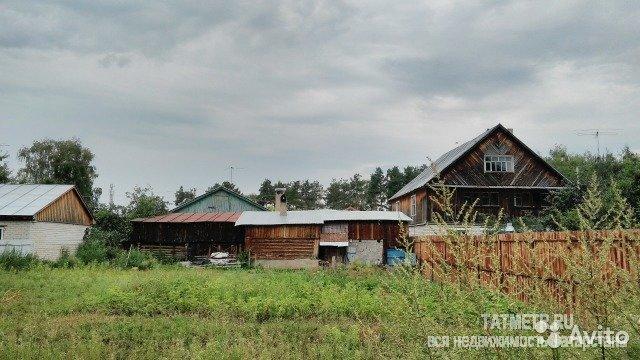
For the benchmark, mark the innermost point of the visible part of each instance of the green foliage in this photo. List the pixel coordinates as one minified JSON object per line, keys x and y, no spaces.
{"x":14,"y":260}
{"x":227,"y":185}
{"x":624,"y":169}
{"x":144,"y":203}
{"x":244,"y":258}
{"x":184,"y":196}
{"x":59,"y":162}
{"x":376,"y":191}
{"x":135,"y":258}
{"x":94,"y":248}
{"x":395,"y":181}
{"x":66,"y":260}
{"x":5,"y":172}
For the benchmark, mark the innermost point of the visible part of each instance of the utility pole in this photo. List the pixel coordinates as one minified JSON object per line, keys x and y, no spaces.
{"x":596,"y":133}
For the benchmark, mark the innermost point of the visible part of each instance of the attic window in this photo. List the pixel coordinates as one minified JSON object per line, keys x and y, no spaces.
{"x":500,"y":163}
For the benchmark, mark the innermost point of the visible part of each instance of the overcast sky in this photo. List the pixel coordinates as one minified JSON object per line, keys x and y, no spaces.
{"x":172,"y":93}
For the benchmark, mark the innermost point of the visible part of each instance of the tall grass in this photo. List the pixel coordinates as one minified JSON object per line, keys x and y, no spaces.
{"x":592,"y":286}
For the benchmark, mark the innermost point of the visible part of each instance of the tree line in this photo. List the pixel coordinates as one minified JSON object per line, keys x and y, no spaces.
{"x":50,"y":161}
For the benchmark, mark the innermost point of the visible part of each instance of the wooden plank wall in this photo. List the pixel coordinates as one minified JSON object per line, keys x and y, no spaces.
{"x":283,"y":241}
{"x":528,"y":170}
{"x":67,"y":209}
{"x":199,"y":238}
{"x":508,"y":261}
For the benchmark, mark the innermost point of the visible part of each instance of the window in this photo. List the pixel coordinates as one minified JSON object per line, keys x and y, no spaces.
{"x":1,"y":232}
{"x":501,"y":163}
{"x":484,"y":199}
{"x":396,"y":206}
{"x":413,"y":207}
{"x":523,"y":200}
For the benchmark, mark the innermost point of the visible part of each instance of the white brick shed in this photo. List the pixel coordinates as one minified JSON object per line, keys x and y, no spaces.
{"x":42,"y":219}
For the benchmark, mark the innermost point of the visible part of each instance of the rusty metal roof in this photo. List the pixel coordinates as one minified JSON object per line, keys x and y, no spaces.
{"x":225,"y":217}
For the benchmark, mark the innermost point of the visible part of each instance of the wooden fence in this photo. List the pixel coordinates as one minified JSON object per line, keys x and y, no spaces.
{"x":511,"y":262}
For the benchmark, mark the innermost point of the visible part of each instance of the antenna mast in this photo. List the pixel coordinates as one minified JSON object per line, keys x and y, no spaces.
{"x":596,"y":133}
{"x":231,"y":169}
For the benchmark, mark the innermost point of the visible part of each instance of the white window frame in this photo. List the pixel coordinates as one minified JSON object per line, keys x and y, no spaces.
{"x":396,"y":206}
{"x":499,"y":163}
{"x":413,"y":210}
{"x":1,"y":233}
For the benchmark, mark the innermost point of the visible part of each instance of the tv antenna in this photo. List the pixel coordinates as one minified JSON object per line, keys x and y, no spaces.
{"x":231,"y":170}
{"x":596,"y":133}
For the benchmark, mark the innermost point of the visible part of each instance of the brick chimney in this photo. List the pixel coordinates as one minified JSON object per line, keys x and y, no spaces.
{"x":281,"y":201}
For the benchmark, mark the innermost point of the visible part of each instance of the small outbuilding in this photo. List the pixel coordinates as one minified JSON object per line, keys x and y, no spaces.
{"x":42,"y":219}
{"x":308,"y":238}
{"x":187,"y":236}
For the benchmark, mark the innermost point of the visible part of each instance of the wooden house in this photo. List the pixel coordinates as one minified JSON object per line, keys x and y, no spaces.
{"x":496,"y":168}
{"x":218,"y":200}
{"x":297,"y":239}
{"x":42,"y":219}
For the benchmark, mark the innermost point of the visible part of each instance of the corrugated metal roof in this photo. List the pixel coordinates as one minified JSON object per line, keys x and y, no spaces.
{"x":310,"y":217}
{"x":28,"y":199}
{"x":228,"y":217}
{"x":441,"y":164}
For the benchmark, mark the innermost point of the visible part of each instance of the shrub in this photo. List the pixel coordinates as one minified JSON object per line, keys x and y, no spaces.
{"x":244,"y":258}
{"x":135,"y":258}
{"x":66,"y":260}
{"x":92,"y":250}
{"x":14,"y":260}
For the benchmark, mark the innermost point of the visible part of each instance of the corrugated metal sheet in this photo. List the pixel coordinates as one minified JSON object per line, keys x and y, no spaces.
{"x":227,"y":217}
{"x":27,"y":199}
{"x":440,"y":165}
{"x":316,"y":217}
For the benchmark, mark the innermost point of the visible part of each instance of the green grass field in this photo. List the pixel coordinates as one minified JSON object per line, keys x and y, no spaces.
{"x":99,"y":312}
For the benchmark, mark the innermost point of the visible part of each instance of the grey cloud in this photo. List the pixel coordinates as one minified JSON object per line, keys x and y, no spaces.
{"x":297,"y":89}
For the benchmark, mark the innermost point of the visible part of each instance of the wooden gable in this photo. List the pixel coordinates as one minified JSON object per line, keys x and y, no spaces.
{"x":219,"y":200}
{"x":529,"y":169}
{"x":68,"y":208}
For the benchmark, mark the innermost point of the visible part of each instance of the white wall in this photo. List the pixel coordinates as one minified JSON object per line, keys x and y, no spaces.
{"x":45,"y":239}
{"x":17,"y":236}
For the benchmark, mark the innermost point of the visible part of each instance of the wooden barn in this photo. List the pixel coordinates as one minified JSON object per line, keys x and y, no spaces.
{"x":496,"y":168}
{"x":42,"y":219}
{"x":188,"y":235}
{"x":218,"y":200}
{"x":297,"y":239}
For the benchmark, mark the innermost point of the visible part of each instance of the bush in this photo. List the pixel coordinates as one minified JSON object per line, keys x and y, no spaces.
{"x":244,"y":258}
{"x":14,"y":260}
{"x":66,"y":260}
{"x":92,"y":250}
{"x":95,"y":247}
{"x":135,"y":258}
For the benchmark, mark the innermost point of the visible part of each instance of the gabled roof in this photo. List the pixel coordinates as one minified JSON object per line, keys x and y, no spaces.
{"x":27,"y":200}
{"x":215,"y":190}
{"x":450,"y":157}
{"x":316,"y":217}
